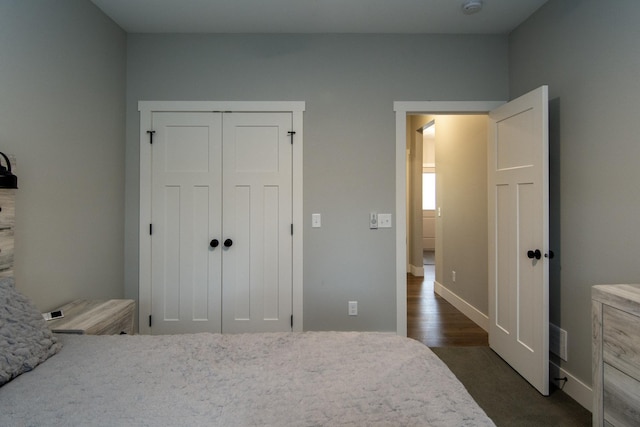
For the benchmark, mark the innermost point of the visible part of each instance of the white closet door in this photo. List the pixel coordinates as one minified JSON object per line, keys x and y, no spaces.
{"x":186,"y":217}
{"x":257,"y":218}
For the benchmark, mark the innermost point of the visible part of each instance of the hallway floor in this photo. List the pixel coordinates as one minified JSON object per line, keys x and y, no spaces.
{"x":435,"y":322}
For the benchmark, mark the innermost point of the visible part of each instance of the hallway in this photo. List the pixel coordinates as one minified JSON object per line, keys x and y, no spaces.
{"x":435,"y":322}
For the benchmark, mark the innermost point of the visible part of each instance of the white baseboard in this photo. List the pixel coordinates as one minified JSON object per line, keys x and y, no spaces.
{"x":478,"y":317}
{"x":416,"y":271}
{"x":576,"y":389}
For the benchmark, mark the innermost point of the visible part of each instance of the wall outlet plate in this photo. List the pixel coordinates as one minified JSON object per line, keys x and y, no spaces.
{"x":353,"y":308}
{"x":384,"y":220}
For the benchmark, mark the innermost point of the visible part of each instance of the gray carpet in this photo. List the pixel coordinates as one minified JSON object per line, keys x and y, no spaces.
{"x":505,"y":396}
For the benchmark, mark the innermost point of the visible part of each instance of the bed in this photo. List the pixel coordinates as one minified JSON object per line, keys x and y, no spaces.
{"x":273,"y":379}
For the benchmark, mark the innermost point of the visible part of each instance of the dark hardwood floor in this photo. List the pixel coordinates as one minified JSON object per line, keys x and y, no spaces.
{"x":433,"y":321}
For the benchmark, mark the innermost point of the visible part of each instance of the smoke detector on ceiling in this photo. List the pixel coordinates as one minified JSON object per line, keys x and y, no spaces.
{"x":471,"y":6}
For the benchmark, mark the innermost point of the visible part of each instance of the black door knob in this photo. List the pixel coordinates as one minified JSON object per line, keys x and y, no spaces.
{"x":228,"y":243}
{"x":214,"y":243}
{"x":534,"y":254}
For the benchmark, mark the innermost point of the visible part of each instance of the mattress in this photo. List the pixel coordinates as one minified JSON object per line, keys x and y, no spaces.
{"x":273,"y":379}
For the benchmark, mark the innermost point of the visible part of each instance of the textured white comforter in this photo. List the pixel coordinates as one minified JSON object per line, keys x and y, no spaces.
{"x":281,"y":379}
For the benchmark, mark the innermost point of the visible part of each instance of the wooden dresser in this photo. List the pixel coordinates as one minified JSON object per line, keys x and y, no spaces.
{"x":616,"y":355}
{"x":96,"y":317}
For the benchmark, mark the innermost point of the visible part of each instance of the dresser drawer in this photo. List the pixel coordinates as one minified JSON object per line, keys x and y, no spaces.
{"x":621,"y":340}
{"x":621,"y":398}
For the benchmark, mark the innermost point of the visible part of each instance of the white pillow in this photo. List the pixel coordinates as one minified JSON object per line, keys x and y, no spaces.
{"x":25,"y":339}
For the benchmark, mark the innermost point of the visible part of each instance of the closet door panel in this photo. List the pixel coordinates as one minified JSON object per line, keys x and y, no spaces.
{"x":257,"y":216}
{"x":186,"y":216}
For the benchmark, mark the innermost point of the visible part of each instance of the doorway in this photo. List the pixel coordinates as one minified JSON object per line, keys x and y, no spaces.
{"x":458,"y":216}
{"x":428,"y":235}
{"x":421,"y":200}
{"x":517,"y":181}
{"x":403,"y":110}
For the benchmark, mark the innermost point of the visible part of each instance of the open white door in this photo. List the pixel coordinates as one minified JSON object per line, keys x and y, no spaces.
{"x":518,"y":170}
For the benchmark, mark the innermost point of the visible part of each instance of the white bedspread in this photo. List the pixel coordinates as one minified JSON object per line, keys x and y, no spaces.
{"x":281,"y":379}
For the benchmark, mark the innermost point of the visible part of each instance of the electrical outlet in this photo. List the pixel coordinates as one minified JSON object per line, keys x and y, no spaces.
{"x":353,"y":308}
{"x":453,"y":276}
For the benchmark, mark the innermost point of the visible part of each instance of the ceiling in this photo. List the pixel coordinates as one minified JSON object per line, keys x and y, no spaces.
{"x":316,"y":16}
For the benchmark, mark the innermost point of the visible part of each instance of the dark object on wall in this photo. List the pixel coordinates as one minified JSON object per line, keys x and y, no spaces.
{"x":7,"y":179}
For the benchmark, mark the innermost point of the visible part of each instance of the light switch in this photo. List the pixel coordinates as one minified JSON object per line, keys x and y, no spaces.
{"x":316,"y":220}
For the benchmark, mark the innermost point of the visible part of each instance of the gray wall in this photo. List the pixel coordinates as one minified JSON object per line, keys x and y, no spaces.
{"x":62,"y":86}
{"x":588,"y":53}
{"x":461,"y":170}
{"x":349,"y":83}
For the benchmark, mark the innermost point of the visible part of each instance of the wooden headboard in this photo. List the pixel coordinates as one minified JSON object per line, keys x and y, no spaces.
{"x":7,"y":223}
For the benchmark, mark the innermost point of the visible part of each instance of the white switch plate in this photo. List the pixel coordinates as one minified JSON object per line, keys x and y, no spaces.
{"x":316,"y":220}
{"x":384,"y":220}
{"x":373,"y":220}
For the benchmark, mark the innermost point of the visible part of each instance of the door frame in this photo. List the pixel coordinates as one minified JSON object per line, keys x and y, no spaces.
{"x":146,"y":109}
{"x":402,"y":109}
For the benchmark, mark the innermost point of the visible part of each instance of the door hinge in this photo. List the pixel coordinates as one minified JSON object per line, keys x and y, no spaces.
{"x":150,"y":229}
{"x":292,"y":321}
{"x":292,"y":229}
{"x":149,"y":320}
{"x":151,"y":133}
{"x":291,"y":133}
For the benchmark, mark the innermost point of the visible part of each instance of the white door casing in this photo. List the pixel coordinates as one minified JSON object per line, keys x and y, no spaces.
{"x":402,"y":110}
{"x":518,"y":194}
{"x":202,"y":195}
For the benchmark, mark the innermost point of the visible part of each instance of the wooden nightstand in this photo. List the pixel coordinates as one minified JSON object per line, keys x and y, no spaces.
{"x":96,"y":317}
